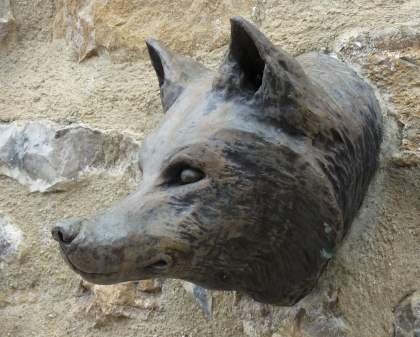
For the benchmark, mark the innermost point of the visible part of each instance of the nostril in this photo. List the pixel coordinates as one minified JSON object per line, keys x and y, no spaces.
{"x":59,"y":235}
{"x":56,"y":234}
{"x":66,"y":232}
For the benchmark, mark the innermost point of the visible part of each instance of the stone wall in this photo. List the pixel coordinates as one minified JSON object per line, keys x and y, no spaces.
{"x":75,"y":80}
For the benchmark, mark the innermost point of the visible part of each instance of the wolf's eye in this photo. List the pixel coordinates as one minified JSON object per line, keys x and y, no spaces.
{"x":181,"y":173}
{"x":190,"y":175}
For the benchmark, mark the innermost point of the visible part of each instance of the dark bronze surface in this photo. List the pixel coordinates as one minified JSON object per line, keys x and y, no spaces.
{"x":251,"y":181}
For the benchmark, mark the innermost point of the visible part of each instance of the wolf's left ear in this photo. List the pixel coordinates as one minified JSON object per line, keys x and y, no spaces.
{"x":253,"y":65}
{"x":174,"y":72}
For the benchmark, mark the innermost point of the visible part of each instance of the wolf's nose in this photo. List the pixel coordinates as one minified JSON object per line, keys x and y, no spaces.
{"x":66,"y":231}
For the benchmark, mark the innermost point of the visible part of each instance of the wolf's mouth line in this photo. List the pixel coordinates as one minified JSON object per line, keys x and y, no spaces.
{"x":80,"y":271}
{"x":158,"y":265}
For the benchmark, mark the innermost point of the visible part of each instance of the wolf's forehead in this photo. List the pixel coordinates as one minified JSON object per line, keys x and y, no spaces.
{"x":194,"y":118}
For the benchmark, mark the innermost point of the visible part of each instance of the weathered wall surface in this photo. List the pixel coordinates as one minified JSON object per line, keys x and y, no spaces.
{"x":110,"y":100}
{"x":189,"y":26}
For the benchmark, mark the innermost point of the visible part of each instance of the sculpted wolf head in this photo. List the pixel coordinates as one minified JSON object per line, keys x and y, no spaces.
{"x":232,"y":195}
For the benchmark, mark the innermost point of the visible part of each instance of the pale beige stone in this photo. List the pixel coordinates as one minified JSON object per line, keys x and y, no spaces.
{"x":107,"y":302}
{"x":190,"y":26}
{"x":150,"y":286}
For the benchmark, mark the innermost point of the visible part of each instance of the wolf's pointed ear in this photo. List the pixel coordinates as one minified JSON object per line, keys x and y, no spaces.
{"x":256,"y":70}
{"x":253,"y":65}
{"x":174,"y":72}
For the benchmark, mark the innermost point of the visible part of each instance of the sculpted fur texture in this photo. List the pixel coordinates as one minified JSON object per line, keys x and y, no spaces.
{"x":251,"y":181}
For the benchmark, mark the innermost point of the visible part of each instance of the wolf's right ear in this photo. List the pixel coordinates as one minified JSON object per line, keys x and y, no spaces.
{"x":254,"y":65}
{"x":174,"y":72}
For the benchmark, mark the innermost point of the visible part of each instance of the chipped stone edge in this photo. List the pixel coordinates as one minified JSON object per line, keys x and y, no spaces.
{"x":38,"y":185}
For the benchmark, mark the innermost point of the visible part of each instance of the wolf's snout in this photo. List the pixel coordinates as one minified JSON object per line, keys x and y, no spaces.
{"x":100,"y":249}
{"x":66,"y":231}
